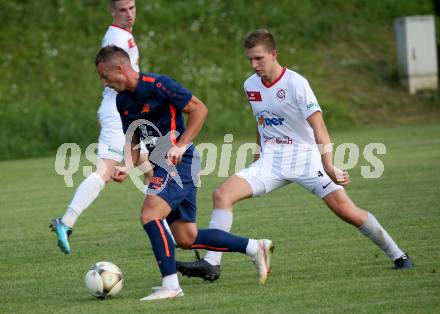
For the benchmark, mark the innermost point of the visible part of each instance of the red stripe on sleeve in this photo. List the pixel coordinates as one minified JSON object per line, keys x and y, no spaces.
{"x":148,"y":79}
{"x":173,"y":124}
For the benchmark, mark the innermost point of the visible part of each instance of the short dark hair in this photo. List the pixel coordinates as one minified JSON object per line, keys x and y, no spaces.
{"x":260,"y":37}
{"x":110,"y":53}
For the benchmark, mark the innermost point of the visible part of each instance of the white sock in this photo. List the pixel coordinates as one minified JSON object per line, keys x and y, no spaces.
{"x":145,"y":189}
{"x":85,"y":194}
{"x":220,"y":219}
{"x":372,"y":229}
{"x":171,"y":282}
{"x":252,"y":248}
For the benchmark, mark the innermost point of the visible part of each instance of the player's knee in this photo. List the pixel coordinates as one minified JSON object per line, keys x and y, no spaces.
{"x":146,"y":216}
{"x":185,"y":242}
{"x":349,"y":212}
{"x":219,"y":197}
{"x":143,"y":218}
{"x":186,"y":238}
{"x":104,"y":175}
{"x":359,"y":217}
{"x":105,"y":170}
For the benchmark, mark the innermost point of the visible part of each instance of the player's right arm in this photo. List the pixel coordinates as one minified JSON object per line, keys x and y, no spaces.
{"x":169,"y":91}
{"x":196,"y":112}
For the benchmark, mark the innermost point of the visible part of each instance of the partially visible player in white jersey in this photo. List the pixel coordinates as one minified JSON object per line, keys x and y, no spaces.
{"x":295,"y":147}
{"x":111,"y":137}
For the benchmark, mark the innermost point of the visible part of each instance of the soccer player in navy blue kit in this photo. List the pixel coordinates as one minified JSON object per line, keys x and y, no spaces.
{"x":151,"y":107}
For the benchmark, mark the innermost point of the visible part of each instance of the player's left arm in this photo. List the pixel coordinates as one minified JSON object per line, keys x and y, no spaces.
{"x":197,"y":112}
{"x":322,"y":138}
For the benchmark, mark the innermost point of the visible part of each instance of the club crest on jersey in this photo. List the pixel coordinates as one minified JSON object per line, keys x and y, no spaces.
{"x":281,"y":94}
{"x":254,"y":95}
{"x":145,"y":108}
{"x":131,"y":43}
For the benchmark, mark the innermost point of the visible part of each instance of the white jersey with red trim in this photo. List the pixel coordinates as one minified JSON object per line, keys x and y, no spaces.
{"x":120,"y":37}
{"x":281,"y":110}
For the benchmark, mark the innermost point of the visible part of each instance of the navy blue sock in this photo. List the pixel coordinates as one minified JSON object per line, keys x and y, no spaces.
{"x":219,"y":240}
{"x":163,"y":246}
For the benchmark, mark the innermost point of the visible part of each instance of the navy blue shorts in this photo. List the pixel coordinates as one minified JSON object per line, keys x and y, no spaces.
{"x":181,"y":200}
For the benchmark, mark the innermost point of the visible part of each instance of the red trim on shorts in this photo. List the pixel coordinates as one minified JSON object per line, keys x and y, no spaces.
{"x":117,"y":26}
{"x":164,"y":238}
{"x":276,"y":81}
{"x":207,"y":247}
{"x":173,"y":124}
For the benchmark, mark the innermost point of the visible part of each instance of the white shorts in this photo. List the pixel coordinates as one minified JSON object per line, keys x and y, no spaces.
{"x":111,"y":137}
{"x":271,"y":172}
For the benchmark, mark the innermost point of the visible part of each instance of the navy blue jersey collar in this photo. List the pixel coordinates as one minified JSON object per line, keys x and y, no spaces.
{"x":142,"y":86}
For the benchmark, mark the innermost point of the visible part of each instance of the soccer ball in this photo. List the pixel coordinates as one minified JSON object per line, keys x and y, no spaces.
{"x":104,"y":279}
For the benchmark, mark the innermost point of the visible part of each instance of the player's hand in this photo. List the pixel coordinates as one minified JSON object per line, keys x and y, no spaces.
{"x":119,"y":173}
{"x":175,"y":154}
{"x":338,"y":176}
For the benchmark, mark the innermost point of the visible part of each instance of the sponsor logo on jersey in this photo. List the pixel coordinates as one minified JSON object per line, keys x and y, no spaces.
{"x":254,"y":95}
{"x":269,"y":121}
{"x":281,"y":94}
{"x":145,"y":108}
{"x":312,"y":104}
{"x":278,"y":140}
{"x":131,"y":43}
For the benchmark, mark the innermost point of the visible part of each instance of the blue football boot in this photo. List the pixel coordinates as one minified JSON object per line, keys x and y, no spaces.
{"x":63,"y":233}
{"x":403,"y":262}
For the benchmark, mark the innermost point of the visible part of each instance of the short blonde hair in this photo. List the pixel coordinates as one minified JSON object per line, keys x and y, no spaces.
{"x":260,"y":37}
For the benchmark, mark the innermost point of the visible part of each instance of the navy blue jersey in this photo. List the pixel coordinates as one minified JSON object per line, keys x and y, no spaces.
{"x":157,"y":99}
{"x":155,"y":108}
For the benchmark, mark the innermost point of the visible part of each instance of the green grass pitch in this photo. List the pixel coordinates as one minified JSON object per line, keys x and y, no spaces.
{"x":320,"y":263}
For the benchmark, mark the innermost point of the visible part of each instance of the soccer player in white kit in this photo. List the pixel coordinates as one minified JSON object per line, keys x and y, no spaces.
{"x":295,"y":147}
{"x":111,"y":137}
